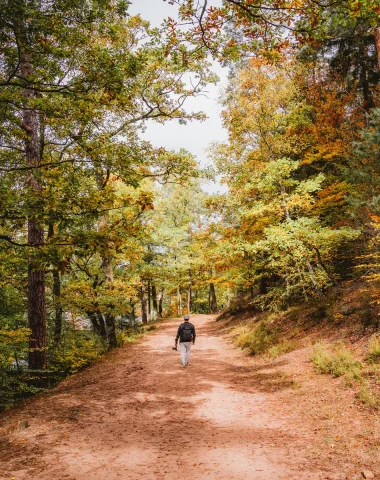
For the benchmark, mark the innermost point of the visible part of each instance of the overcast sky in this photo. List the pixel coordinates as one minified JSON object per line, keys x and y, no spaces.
{"x":195,"y":136}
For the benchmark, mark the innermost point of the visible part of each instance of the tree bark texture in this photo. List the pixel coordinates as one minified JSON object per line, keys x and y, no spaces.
{"x":36,"y":236}
{"x":149,"y":300}
{"x":213,"y":303}
{"x":160,"y":301}
{"x":58,"y":317}
{"x":109,"y":319}
{"x":263,"y":287}
{"x":144,"y":306}
{"x":179,"y":302}
{"x":189,"y":297}
{"x":154,"y":302}
{"x":377,"y":42}
{"x":57,"y":305}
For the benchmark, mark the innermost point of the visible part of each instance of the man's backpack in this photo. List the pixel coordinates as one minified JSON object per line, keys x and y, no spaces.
{"x":186,"y":334}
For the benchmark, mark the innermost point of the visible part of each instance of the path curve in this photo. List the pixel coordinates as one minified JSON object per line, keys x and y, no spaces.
{"x":138,"y":415}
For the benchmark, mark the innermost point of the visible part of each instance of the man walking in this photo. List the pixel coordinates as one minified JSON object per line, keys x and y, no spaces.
{"x":186,"y":336}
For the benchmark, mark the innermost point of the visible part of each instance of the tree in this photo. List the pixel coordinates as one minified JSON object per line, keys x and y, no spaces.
{"x":277,"y":235}
{"x":77,"y":82}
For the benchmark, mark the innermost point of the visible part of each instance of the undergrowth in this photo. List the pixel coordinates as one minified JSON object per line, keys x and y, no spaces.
{"x":256,"y":337}
{"x":373,"y":355}
{"x":76,"y":350}
{"x":261,"y":337}
{"x":280,"y":348}
{"x":338,"y":361}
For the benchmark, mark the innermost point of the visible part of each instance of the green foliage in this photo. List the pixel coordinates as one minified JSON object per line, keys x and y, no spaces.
{"x":281,"y":348}
{"x":373,"y":354}
{"x":132,"y":333}
{"x":337,"y":361}
{"x":368,"y":396}
{"x":76,"y":351}
{"x":256,"y":337}
{"x":15,"y":386}
{"x":15,"y":382}
{"x":13,"y":343}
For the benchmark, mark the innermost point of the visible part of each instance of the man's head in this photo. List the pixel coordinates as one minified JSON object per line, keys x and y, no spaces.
{"x":186,"y":318}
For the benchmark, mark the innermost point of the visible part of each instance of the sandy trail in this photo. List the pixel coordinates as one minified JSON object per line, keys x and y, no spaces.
{"x":138,"y":415}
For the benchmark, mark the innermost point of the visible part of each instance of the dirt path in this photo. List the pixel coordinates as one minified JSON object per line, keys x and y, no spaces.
{"x":138,"y":415}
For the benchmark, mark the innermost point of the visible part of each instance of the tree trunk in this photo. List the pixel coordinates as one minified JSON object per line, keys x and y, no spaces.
{"x":56,"y":290}
{"x":160,"y":300}
{"x":179,"y":302}
{"x":110,"y":330}
{"x":57,"y":305}
{"x":213,"y":303}
{"x":312,"y":278}
{"x":144,"y":306}
{"x":98,"y":325}
{"x":377,"y":43}
{"x":263,"y":288}
{"x":189,"y":297}
{"x":154,"y":302}
{"x":102,"y":325}
{"x":109,"y":319}
{"x":149,"y":301}
{"x":133,"y":313}
{"x":229,"y":297}
{"x":36,"y":272}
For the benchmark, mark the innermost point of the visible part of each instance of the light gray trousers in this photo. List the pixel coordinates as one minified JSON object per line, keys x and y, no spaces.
{"x":185,"y":352}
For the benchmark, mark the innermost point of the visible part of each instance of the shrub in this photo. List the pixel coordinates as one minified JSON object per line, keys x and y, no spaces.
{"x":124,"y":337}
{"x":369,"y":397}
{"x":14,"y":387}
{"x":14,"y":377}
{"x":257,"y":338}
{"x":281,"y":348}
{"x":319,"y":313}
{"x":374,"y":349}
{"x":338,"y":362}
{"x":75,"y":351}
{"x":149,"y":328}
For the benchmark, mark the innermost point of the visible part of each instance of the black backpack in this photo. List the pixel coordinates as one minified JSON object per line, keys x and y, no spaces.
{"x":186,"y":332}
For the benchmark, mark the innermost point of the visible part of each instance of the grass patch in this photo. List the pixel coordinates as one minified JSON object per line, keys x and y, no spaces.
{"x":337,"y":362}
{"x":124,"y":338}
{"x":149,"y":328}
{"x":373,"y":354}
{"x":256,"y":337}
{"x":369,"y":397}
{"x":281,"y":348}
